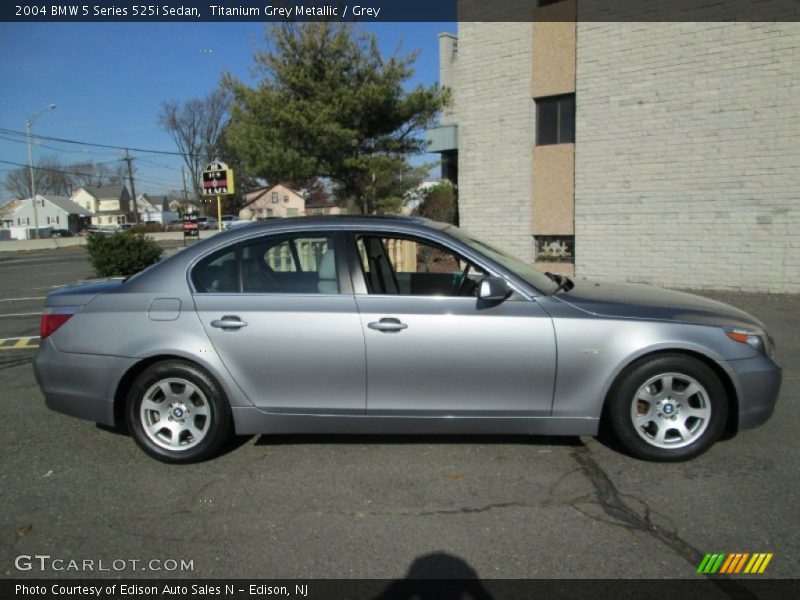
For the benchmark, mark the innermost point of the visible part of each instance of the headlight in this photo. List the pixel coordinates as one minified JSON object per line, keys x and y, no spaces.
{"x":758,"y":339}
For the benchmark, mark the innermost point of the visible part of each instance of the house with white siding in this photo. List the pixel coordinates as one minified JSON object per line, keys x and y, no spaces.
{"x":53,"y":212}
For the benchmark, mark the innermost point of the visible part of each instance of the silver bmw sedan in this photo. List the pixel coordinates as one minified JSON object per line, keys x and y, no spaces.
{"x":401,"y":326}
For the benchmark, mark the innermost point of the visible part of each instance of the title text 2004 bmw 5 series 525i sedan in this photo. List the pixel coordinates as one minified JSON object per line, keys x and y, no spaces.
{"x":395,"y":325}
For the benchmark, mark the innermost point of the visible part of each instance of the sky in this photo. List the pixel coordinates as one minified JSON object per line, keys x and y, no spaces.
{"x":109,"y":80}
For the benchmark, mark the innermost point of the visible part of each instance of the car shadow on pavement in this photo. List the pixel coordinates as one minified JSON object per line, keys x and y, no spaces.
{"x":234,"y":443}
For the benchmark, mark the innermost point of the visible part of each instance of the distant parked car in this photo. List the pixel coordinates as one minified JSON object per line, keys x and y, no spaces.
{"x":60,"y":233}
{"x":401,"y":325}
{"x":206,"y":223}
{"x":228,"y":220}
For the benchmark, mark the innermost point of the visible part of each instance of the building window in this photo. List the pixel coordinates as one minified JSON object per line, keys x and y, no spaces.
{"x":319,"y":211}
{"x":58,"y":219}
{"x":555,"y":248}
{"x":120,"y":219}
{"x":274,"y":197}
{"x":555,"y":120}
{"x":285,"y":199}
{"x":270,"y":212}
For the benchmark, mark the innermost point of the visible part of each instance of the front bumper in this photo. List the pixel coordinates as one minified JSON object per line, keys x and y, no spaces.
{"x":80,"y":385}
{"x":758,"y":383}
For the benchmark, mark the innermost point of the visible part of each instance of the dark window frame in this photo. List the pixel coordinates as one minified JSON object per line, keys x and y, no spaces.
{"x":560,"y":105}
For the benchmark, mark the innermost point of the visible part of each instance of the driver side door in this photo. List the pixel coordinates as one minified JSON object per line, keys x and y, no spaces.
{"x":433,"y":349}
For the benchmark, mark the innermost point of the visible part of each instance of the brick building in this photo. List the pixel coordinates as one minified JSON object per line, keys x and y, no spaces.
{"x":657,"y":152}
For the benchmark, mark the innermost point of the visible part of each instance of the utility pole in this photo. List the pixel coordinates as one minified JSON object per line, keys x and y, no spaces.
{"x":128,"y":160}
{"x":28,"y":124}
{"x":185,"y":191}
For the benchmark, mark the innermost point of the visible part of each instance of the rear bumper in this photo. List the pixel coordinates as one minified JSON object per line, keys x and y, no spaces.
{"x":79,"y":385}
{"x":758,"y":383}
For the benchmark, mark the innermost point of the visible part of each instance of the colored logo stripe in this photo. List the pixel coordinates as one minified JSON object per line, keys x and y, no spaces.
{"x":758,"y":563}
{"x":731,"y":563}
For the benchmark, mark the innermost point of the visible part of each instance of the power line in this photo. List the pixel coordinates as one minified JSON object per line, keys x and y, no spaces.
{"x":41,"y":145}
{"x":147,"y":180}
{"x":37,"y":168}
{"x":67,"y":141}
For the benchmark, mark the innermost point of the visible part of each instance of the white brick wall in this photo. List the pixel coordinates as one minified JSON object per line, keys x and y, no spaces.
{"x":687,"y":154}
{"x":495,"y":118}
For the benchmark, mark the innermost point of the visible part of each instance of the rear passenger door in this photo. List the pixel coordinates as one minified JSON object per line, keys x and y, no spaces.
{"x":280,"y":312}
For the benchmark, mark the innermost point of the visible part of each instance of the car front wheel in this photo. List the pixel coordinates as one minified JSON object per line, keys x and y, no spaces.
{"x":177,"y":413}
{"x":668,"y":408}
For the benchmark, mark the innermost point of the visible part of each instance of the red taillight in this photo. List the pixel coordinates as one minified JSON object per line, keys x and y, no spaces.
{"x":51,"y":322}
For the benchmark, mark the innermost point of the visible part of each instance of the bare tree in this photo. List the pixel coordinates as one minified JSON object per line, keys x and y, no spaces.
{"x":50,"y":177}
{"x":89,"y":173}
{"x":18,"y":182}
{"x":196,"y":127}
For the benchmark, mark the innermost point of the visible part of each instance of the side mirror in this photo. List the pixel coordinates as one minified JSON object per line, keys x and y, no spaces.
{"x":494,"y":289}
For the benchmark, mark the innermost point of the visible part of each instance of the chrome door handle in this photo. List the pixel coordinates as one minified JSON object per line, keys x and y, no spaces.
{"x":229,"y":322}
{"x":387,"y":324}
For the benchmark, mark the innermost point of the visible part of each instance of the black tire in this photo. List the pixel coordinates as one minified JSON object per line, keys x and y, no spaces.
{"x":196,"y":404}
{"x":673,"y":424}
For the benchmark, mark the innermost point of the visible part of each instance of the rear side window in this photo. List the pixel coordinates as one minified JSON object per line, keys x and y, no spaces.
{"x":303,"y":264}
{"x":300,"y":264}
{"x":217,"y":274}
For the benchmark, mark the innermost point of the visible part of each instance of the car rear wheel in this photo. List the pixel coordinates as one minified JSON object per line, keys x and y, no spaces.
{"x":178,"y":413}
{"x":668,"y":408}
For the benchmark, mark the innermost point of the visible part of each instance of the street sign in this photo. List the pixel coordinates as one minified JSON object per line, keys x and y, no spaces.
{"x":190,"y":226}
{"x":217,"y":179}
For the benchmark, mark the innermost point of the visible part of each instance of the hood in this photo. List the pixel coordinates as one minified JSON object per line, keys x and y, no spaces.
{"x":635,"y":301}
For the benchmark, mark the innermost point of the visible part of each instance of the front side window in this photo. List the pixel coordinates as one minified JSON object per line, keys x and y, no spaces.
{"x":412,"y":267}
{"x":274,"y":197}
{"x":522,"y":270}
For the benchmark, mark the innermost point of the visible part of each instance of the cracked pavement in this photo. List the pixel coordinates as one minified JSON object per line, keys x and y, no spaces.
{"x":368,"y":507}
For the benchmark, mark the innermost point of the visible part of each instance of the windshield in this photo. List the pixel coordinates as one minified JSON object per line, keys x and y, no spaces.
{"x":536,"y":278}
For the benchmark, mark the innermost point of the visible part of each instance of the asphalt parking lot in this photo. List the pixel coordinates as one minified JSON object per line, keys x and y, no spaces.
{"x":371,"y":507}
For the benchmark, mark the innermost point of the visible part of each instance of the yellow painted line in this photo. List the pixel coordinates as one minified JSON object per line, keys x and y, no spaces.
{"x":19,"y":343}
